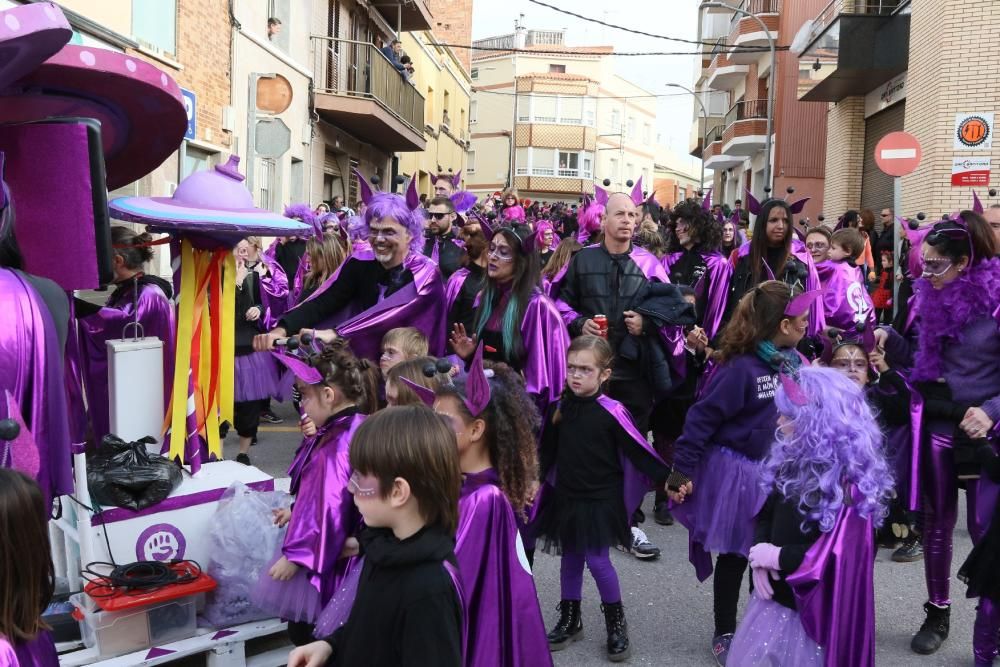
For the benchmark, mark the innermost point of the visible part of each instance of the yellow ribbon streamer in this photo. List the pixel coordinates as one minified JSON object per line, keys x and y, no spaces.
{"x":227,"y":361}
{"x":182,"y":365}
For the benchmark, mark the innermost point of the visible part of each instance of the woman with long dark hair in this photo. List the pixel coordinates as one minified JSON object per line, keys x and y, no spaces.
{"x":956,"y":365}
{"x":517,"y":323}
{"x":731,"y":240}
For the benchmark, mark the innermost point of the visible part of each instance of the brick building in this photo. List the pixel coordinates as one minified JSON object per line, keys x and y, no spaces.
{"x":453,"y":25}
{"x":930,"y":61}
{"x":733,"y":83}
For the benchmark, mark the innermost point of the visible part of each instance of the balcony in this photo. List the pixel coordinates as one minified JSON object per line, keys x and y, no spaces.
{"x":404,"y":16}
{"x":714,"y":157}
{"x":356,"y":88}
{"x":723,"y":73}
{"x":553,"y":185}
{"x":829,"y":73}
{"x":698,"y":133}
{"x":746,"y":129}
{"x":746,"y":32}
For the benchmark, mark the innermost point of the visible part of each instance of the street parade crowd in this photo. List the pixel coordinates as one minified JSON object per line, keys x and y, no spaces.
{"x":479,"y":380}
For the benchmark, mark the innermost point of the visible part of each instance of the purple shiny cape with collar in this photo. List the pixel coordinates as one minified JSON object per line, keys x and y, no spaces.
{"x":31,"y":369}
{"x":817,"y":320}
{"x":420,"y":304}
{"x":636,"y":484}
{"x":275,"y":295}
{"x":545,"y":343}
{"x":846,"y":302}
{"x":324,"y":515}
{"x":718,"y":274}
{"x":454,"y":287}
{"x":155,"y":313}
{"x":906,"y":441}
{"x":503,"y":619}
{"x":834,"y":590}
{"x":41,"y":652}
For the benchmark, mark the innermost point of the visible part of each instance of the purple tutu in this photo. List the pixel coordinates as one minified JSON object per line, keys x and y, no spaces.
{"x":293,"y":600}
{"x":727,"y":496}
{"x":338,"y":609}
{"x":771,"y":634}
{"x":257,"y":377}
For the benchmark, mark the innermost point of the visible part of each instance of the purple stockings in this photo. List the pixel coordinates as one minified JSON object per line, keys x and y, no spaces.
{"x":940,"y":498}
{"x":599,"y":563}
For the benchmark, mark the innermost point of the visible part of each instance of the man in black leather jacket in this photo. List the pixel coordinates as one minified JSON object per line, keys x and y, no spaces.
{"x":440,"y":233}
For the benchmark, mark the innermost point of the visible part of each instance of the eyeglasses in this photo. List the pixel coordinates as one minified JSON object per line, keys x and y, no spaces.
{"x":354,"y":485}
{"x":438,"y":216}
{"x":501,"y":253}
{"x":387,"y":233}
{"x":579,"y":371}
{"x":821,"y":245}
{"x":935,"y":268}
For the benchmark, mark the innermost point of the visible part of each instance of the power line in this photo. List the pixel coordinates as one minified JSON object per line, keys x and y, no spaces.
{"x":595,"y":97}
{"x":614,"y":26}
{"x":570,"y":52}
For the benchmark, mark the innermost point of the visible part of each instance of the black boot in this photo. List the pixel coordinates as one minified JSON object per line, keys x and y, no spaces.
{"x":619,"y":648}
{"x":569,"y":628}
{"x":934,"y":630}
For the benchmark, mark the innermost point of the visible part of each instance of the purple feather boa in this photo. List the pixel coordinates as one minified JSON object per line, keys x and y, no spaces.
{"x":949,"y":310}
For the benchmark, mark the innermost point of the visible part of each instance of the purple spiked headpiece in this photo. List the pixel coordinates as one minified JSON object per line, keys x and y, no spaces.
{"x":800,"y":304}
{"x":454,"y":179}
{"x":706,"y":201}
{"x":426,"y":396}
{"x":403,"y":209}
{"x":299,"y":367}
{"x":477,"y":385}
{"x":636,"y":193}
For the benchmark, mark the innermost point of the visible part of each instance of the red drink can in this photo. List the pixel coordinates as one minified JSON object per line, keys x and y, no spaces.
{"x":602,"y":323}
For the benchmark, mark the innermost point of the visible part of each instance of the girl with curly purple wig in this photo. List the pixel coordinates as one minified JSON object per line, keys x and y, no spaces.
{"x":824,"y":468}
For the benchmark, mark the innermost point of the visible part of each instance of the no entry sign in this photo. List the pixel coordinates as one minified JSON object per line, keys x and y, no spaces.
{"x":898,"y":153}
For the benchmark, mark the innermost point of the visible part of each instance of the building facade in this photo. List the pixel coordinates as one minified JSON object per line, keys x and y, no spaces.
{"x":734,"y":75}
{"x":674,"y":179}
{"x":926,"y":75}
{"x":552,"y":123}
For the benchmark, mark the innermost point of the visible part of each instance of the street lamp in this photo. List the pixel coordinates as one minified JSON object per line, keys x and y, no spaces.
{"x":704,"y":139}
{"x":770,"y":84}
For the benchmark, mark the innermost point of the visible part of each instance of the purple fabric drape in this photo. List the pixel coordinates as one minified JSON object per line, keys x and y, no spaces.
{"x":719,"y":271}
{"x":545,"y":343}
{"x":454,"y":287}
{"x":636,"y":485}
{"x":846,"y":302}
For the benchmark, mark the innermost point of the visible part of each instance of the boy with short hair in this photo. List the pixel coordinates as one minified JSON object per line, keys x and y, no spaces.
{"x":846,"y":244}
{"x":401,"y":344}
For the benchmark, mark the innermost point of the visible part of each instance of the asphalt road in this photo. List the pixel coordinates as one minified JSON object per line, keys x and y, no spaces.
{"x":670,"y":613}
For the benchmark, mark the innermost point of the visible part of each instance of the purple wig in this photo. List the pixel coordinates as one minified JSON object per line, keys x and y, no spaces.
{"x":589,"y":221}
{"x":303,"y":212}
{"x":357,"y":229}
{"x":834,"y":443}
{"x":393,"y":207}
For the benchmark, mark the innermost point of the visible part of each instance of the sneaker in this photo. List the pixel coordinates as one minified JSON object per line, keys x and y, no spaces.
{"x":662,"y":515}
{"x":270,"y":417}
{"x":642,"y":548}
{"x":720,"y":648}
{"x":243,"y":458}
{"x":912,"y":550}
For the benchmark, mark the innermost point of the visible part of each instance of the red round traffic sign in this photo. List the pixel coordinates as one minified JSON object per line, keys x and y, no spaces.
{"x":898,"y":153}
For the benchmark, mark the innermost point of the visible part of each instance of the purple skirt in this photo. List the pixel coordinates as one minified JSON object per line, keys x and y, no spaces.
{"x":338,"y":609}
{"x":293,"y":600}
{"x":257,"y":377}
{"x":771,"y":634}
{"x":727,"y":496}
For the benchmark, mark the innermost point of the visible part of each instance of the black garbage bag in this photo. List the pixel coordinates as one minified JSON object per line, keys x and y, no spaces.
{"x":124,"y":474}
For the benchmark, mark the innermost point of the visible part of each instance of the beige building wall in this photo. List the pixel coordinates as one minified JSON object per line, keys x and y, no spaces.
{"x":845,"y":145}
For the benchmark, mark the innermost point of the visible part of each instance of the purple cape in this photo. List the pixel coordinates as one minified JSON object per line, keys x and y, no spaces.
{"x":504,"y":620}
{"x":324,"y":515}
{"x":636,"y":485}
{"x":834,"y":590}
{"x":846,"y":302}
{"x":40,"y":652}
{"x":275,"y":297}
{"x":31,"y":364}
{"x":719,"y":272}
{"x":817,"y":322}
{"x":156,"y":315}
{"x":545,"y":343}
{"x":454,"y":287}
{"x":420,"y":304}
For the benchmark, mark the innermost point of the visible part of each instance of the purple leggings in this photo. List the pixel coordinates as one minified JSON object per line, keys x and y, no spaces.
{"x":599,"y":563}
{"x":940,"y":497}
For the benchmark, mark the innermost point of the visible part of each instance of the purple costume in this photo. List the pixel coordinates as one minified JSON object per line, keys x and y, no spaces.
{"x":504,"y":620}
{"x":728,"y":431}
{"x":817,"y":321}
{"x":40,"y":652}
{"x":156,"y":315}
{"x":846,"y":302}
{"x":711,"y":288}
{"x":964,"y":350}
{"x":275,"y":295}
{"x":323,"y":517}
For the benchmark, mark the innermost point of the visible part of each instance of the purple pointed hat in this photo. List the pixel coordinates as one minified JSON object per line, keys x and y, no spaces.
{"x":30,"y":35}
{"x":299,"y":367}
{"x":799,"y":305}
{"x":477,"y":385}
{"x":706,"y":201}
{"x":213,"y":206}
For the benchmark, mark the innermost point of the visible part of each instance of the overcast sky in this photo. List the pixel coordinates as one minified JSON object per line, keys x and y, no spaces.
{"x":670,"y":18}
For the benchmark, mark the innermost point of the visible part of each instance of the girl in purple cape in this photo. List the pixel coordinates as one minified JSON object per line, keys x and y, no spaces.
{"x":26,"y":574}
{"x":495,"y":423}
{"x":727,"y":433}
{"x":956,"y":367}
{"x":826,"y":457}
{"x":591,"y":448}
{"x":337,"y":390}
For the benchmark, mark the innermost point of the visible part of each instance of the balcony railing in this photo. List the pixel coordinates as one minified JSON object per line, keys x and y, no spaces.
{"x":720,"y":47}
{"x":359,"y":69}
{"x":757,"y":7}
{"x":747,"y":110}
{"x":715,"y":134}
{"x":862,"y":7}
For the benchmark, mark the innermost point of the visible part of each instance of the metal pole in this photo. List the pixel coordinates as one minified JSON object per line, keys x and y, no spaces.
{"x":897,"y":269}
{"x":704,"y":139}
{"x":770,"y":84}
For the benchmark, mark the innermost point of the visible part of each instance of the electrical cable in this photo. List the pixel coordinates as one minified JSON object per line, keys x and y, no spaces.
{"x":142,"y":576}
{"x":569,"y":52}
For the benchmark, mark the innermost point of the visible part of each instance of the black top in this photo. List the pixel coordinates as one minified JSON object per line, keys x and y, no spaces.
{"x":463,"y":310}
{"x":449,"y":253}
{"x":780,"y":523}
{"x":288,"y":255}
{"x":546,"y":256}
{"x":361,"y":282}
{"x":247,"y":296}
{"x":891,"y":400}
{"x":407,"y":610}
{"x":742,"y":282}
{"x":689,"y":269}
{"x":584,"y":447}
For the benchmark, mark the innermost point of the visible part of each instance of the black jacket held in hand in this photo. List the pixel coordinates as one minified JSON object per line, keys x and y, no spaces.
{"x":407,"y":610}
{"x":660,"y":304}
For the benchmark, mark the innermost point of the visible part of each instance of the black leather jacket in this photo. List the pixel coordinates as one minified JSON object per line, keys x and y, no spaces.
{"x":449,"y":254}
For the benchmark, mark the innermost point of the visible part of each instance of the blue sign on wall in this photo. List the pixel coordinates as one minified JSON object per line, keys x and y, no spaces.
{"x":190,"y":107}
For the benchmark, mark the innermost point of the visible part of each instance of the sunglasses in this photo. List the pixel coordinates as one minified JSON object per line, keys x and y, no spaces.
{"x":438,"y":216}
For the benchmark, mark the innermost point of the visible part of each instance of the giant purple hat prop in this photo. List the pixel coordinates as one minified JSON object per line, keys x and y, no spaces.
{"x":212,"y":207}
{"x":305,"y":213}
{"x":30,"y":35}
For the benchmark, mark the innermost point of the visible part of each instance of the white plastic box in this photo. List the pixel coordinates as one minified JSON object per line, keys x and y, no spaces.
{"x":121,"y":632}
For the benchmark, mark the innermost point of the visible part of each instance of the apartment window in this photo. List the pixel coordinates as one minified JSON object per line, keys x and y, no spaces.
{"x":473,"y":111}
{"x":524,"y":106}
{"x":470,"y":162}
{"x":557,"y":69}
{"x":474,"y":73}
{"x":614,"y":169}
{"x":569,"y":164}
{"x":523,"y":157}
{"x":630,"y":128}
{"x":548,"y":162}
{"x":629,"y":171}
{"x":154,"y":23}
{"x":196,"y":159}
{"x":429,"y":106}
{"x":544,"y":108}
{"x":298,"y":180}
{"x":445,"y":118}
{"x":647,"y":132}
{"x":266,"y":172}
{"x":616,"y":120}
{"x":645,"y":179}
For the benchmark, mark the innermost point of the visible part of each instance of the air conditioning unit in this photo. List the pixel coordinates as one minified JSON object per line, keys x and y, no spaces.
{"x":229,"y":119}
